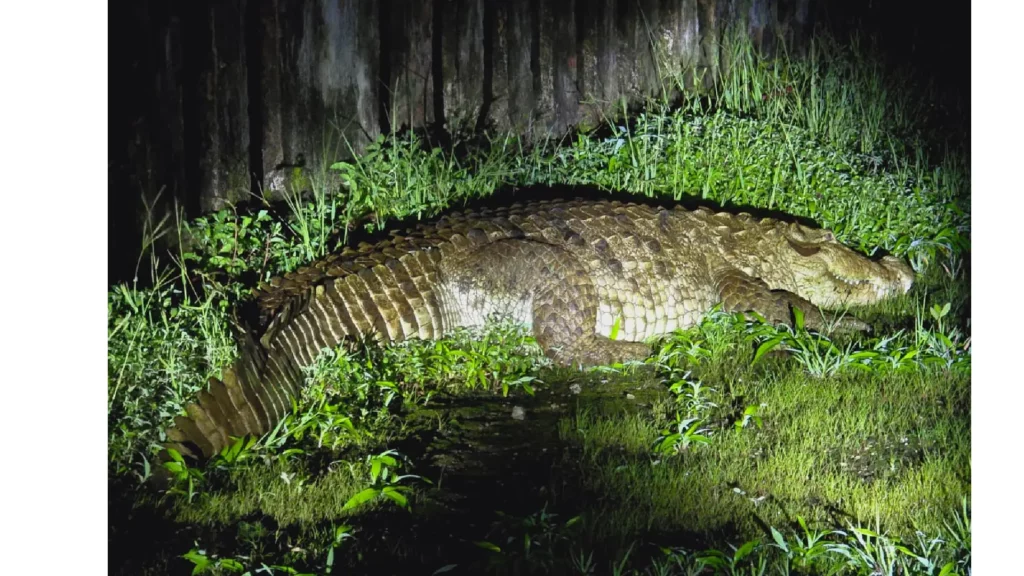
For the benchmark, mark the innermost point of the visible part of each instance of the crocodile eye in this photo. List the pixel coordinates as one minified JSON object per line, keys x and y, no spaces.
{"x":828,"y":236}
{"x":803,"y":249}
{"x":796,"y":231}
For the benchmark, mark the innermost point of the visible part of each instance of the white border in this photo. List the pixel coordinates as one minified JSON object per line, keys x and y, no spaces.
{"x":53,"y":114}
{"x":997,"y":185}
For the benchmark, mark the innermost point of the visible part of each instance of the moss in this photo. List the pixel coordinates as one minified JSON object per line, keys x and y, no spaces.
{"x":298,"y":181}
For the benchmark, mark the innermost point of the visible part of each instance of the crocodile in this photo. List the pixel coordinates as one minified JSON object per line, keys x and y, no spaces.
{"x":572,"y":271}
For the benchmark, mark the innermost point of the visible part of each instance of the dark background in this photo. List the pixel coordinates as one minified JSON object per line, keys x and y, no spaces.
{"x":160,"y":116}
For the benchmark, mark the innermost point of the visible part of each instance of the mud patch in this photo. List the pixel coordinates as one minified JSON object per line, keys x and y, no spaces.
{"x":878,"y":458}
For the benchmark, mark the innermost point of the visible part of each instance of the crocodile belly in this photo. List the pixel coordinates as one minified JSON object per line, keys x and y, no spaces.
{"x":471,"y":306}
{"x":639,"y":317}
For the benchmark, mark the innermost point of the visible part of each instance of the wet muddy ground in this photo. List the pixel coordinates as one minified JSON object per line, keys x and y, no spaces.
{"x":499,"y":472}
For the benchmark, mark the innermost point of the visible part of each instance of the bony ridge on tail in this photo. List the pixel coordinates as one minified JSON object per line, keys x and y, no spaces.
{"x":568,"y":270}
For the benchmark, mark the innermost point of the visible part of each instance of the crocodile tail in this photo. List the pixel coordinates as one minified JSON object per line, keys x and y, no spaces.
{"x":240,"y":403}
{"x":393,"y":300}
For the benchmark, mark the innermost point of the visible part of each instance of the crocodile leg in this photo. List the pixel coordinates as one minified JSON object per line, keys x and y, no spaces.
{"x":565,"y":317}
{"x":740,"y":292}
{"x":543,"y":285}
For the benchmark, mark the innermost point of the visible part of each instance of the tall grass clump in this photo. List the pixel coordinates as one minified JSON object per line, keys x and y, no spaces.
{"x":163,"y":341}
{"x":840,"y":92}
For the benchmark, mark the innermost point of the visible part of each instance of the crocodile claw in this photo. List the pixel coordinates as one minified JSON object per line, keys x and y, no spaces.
{"x":850,"y":324}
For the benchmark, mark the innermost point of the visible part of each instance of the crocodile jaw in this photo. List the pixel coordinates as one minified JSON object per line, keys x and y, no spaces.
{"x":812,"y":264}
{"x":845,"y":278}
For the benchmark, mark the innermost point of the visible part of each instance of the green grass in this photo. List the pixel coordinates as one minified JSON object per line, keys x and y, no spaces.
{"x":893,"y":446}
{"x":738,"y":432}
{"x":283,"y":492}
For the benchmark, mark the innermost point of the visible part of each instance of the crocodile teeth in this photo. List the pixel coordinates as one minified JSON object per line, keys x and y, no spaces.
{"x":848,"y":281}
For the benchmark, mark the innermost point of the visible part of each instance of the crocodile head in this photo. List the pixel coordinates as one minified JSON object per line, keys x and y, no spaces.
{"x":811,"y":263}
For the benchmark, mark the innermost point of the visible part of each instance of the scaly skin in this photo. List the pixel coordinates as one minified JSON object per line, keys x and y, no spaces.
{"x":566,"y":269}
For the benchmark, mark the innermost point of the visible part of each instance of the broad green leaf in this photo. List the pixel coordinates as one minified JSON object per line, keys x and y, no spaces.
{"x":201,"y":561}
{"x":175,"y":455}
{"x":342,"y":532}
{"x":487,"y":546}
{"x":767,"y":346}
{"x":907,"y":551}
{"x":668,"y":443}
{"x":395,"y":496}
{"x":779,"y":540}
{"x":693,"y":427}
{"x":231,"y":564}
{"x":745,"y":550}
{"x":361,"y":497}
